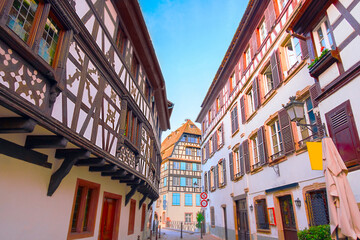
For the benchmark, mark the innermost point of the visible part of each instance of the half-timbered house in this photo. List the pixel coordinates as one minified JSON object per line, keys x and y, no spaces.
{"x":82,"y":107}
{"x":258,"y":176}
{"x":180,"y":177}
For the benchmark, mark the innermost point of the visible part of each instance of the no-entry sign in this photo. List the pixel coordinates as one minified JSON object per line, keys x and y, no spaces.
{"x":204,"y":203}
{"x":203,"y":195}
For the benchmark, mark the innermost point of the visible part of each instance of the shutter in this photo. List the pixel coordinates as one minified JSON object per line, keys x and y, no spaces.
{"x":315,"y":91}
{"x":319,"y":123}
{"x":270,"y":16}
{"x":231,"y":166}
{"x":209,"y":178}
{"x":207,"y":151}
{"x":253,"y":45}
{"x":224,"y":171}
{"x":232,"y":121}
{"x":242,"y":106}
{"x":241,"y":159}
{"x":222,"y":134}
{"x":241,"y":67}
{"x":246,"y":155}
{"x":342,"y":130}
{"x":216,"y":177}
{"x":221,"y":100}
{"x":275,"y":69}
{"x":286,"y":132}
{"x":202,"y":155}
{"x":267,"y":19}
{"x":255,"y":88}
{"x":262,"y":145}
{"x":304,"y":49}
{"x":310,"y":47}
{"x":236,"y":121}
{"x":215,"y":141}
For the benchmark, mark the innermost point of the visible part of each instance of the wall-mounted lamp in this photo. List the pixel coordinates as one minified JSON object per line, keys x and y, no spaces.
{"x":298,"y":202}
{"x":251,"y":207}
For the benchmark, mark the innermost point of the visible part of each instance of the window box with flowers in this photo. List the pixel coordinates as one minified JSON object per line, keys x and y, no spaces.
{"x":323,"y":62}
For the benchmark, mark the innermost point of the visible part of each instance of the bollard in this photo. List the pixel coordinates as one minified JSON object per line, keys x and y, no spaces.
{"x":201,"y":226}
{"x":159,"y":231}
{"x":156,"y":235}
{"x":181,"y":230}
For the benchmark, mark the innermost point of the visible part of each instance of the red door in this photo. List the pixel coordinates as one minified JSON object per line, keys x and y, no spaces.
{"x":107,"y":219}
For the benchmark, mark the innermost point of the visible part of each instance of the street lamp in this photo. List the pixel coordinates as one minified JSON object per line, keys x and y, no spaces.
{"x":295,"y":110}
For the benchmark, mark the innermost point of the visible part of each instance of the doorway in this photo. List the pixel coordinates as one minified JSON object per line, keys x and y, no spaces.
{"x":225,"y":221}
{"x":288,"y":217}
{"x":242,"y":220}
{"x":110,"y":216}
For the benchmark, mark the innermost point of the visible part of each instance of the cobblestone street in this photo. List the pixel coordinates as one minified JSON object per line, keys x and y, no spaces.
{"x":167,"y":234}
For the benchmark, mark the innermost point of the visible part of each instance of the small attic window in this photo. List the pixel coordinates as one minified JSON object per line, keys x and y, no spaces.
{"x":192,"y":126}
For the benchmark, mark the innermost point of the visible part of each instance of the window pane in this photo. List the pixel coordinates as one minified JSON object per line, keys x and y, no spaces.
{"x":21,"y":17}
{"x":87,"y":206}
{"x":76,"y":209}
{"x":49,"y":41}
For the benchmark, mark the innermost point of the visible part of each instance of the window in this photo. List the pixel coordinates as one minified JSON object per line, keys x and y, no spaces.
{"x":165,"y":166}
{"x":132,"y":127}
{"x":188,"y":217}
{"x":188,"y":182}
{"x":191,"y":151}
{"x":176,"y":181}
{"x":165,"y":181}
{"x":219,"y":136}
{"x":198,"y":200}
{"x":196,"y":167}
{"x":147,"y":90}
{"x":218,"y":104}
{"x":198,"y":152}
{"x":176,"y":199}
{"x":182,"y":181}
{"x":211,"y":145}
{"x":188,"y":199}
{"x":310,"y":119}
{"x":292,"y":52}
{"x":232,"y":80}
{"x":188,"y":151}
{"x":276,"y":140}
{"x":176,"y":165}
{"x":84,"y":208}
{"x":234,"y":120}
{"x":282,"y":4}
{"x":262,"y":220}
{"x":247,"y":57}
{"x":268,"y":82}
{"x":132,"y":217}
{"x":134,"y":67}
{"x":317,"y":207}
{"x":23,"y":20}
{"x":195,"y":182}
{"x":212,"y":179}
{"x":183,"y":165}
{"x":250,"y":101}
{"x":237,"y":163}
{"x":255,"y":151}
{"x":323,"y":37}
{"x":221,"y":172}
{"x":262,"y":31}
{"x":212,"y":217}
{"x":209,"y":116}
{"x":121,"y":40}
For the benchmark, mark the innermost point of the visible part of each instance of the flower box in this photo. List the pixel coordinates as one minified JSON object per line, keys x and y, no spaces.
{"x":318,"y":66}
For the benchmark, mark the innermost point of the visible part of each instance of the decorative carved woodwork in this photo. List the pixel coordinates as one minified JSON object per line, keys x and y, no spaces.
{"x":40,"y":141}
{"x":19,"y":152}
{"x":16,"y":125}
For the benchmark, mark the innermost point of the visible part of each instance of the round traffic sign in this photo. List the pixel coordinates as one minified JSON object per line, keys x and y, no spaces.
{"x":203,"y":195}
{"x":204,"y":203}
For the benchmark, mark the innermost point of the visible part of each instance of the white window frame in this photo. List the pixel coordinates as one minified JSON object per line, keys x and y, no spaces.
{"x":262,"y":31}
{"x":247,"y":57}
{"x":255,"y":150}
{"x":250,"y":101}
{"x":322,"y":26}
{"x":265,"y":80}
{"x":278,"y":137}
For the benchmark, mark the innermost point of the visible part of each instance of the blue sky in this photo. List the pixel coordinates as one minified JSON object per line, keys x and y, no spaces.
{"x":190,"y":38}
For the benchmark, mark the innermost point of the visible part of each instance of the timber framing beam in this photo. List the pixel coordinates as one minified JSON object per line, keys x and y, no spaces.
{"x":105,"y":168}
{"x":119,"y":173}
{"x":149,"y":205}
{"x":130,"y":194}
{"x":91,"y":162}
{"x":19,"y":152}
{"x":142,"y":200}
{"x":70,"y":157}
{"x":16,"y":125}
{"x":51,"y":141}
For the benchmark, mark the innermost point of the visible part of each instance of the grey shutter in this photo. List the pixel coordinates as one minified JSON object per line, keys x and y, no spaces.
{"x":215,"y":139}
{"x":241,"y":67}
{"x":310,"y":46}
{"x":236,"y":121}
{"x":286,"y":132}
{"x":253,"y":45}
{"x":246,"y":155}
{"x":207,"y":150}
{"x":304,"y":49}
{"x":205,"y":182}
{"x":320,"y":131}
{"x":256,"y":93}
{"x":270,"y":16}
{"x":221,"y":100}
{"x":224,"y":170}
{"x":209,"y":178}
{"x":216,"y":180}
{"x":231,"y":166}
{"x":262,"y":145}
{"x":275,"y":69}
{"x":242,"y":106}
{"x":241,"y":160}
{"x":222,"y":134}
{"x":232,"y":114}
{"x":315,"y":91}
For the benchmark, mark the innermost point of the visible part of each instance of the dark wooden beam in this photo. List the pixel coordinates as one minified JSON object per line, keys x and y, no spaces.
{"x":71,"y":156}
{"x":106,"y":168}
{"x":134,"y":182}
{"x":51,"y":141}
{"x":129,"y":177}
{"x":142,"y":200}
{"x":119,"y":173}
{"x":19,"y":152}
{"x":152,"y":200}
{"x":91,"y":162}
{"x":131,"y":193}
{"x":72,"y":153}
{"x":16,"y":125}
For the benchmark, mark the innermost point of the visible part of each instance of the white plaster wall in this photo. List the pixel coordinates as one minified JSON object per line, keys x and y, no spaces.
{"x":26,"y":212}
{"x":347,"y":55}
{"x":329,"y":75}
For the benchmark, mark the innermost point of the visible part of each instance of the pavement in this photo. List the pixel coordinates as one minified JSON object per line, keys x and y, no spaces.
{"x":167,"y":234}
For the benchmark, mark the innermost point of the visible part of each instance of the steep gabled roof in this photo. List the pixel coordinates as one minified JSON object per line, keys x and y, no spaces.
{"x":167,"y":146}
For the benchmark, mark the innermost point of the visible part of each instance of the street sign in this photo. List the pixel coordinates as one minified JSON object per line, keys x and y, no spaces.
{"x":203,"y":195}
{"x":204,"y":203}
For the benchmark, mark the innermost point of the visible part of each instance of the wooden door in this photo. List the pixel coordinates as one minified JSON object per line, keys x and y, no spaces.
{"x":288,"y":218}
{"x":107,"y":220}
{"x":242,"y":220}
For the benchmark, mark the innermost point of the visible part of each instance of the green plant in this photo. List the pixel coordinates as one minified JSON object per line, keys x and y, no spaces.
{"x":321,"y":232}
{"x":318,"y":58}
{"x":199,"y":219}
